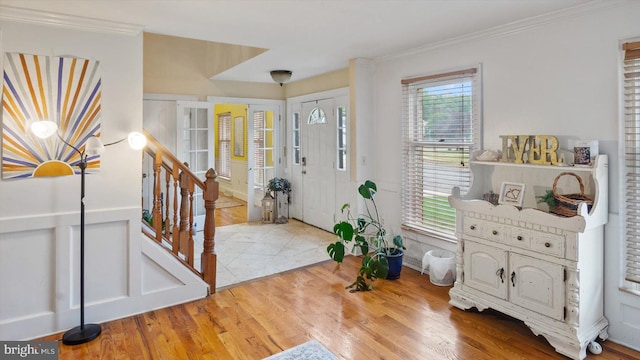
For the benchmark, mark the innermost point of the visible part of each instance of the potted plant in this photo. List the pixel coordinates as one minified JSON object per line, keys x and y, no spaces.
{"x":367,"y":233}
{"x":282,"y":185}
{"x":548,"y":198}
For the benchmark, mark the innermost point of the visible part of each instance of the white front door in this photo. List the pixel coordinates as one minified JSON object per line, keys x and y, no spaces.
{"x":317,"y":163}
{"x":195,"y":146}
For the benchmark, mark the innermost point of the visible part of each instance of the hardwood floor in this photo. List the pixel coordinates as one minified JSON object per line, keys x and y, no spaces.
{"x":408,"y":318}
{"x":232,"y":215}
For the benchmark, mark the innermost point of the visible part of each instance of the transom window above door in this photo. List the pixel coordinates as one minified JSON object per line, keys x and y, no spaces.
{"x":317,"y":116}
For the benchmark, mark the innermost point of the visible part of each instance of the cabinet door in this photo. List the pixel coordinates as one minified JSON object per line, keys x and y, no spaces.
{"x":485,"y":269}
{"x":536,"y":285}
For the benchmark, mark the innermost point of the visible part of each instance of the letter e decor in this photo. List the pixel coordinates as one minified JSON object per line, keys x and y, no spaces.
{"x":539,"y":149}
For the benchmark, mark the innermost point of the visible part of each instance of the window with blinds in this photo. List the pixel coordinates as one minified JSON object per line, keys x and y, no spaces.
{"x":263,"y":148}
{"x":441,"y":127}
{"x":223,"y":161}
{"x":632,"y":160}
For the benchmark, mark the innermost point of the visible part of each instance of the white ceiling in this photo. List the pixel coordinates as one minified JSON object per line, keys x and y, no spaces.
{"x":309,"y":37}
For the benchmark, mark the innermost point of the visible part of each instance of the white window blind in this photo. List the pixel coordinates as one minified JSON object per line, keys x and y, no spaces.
{"x":223,"y":166}
{"x":263,"y":148}
{"x":441,"y":127}
{"x":632,"y":159}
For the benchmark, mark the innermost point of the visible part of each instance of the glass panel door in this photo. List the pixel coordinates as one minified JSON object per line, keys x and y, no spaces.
{"x":195,"y":146}
{"x":261,"y":126}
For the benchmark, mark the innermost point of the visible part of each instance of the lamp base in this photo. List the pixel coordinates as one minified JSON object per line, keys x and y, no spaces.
{"x":81,"y":335}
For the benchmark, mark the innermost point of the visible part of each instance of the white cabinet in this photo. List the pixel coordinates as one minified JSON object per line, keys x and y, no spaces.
{"x":538,"y":267}
{"x":537,"y":285}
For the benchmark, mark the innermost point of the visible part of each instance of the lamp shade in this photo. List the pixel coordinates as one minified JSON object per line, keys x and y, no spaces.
{"x":44,"y":128}
{"x":94,"y":146}
{"x":137,"y":140}
{"x":281,"y":76}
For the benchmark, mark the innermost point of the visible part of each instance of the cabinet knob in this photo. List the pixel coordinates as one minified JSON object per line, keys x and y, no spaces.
{"x":495,"y":232}
{"x":472,"y":227}
{"x":547,"y":244}
{"x":519,"y":237}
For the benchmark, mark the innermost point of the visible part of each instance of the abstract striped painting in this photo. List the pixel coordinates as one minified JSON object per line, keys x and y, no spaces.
{"x":66,"y":90}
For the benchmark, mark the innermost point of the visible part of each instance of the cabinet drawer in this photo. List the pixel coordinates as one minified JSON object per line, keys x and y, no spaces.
{"x":519,"y":237}
{"x":473,"y":227}
{"x":548,"y":244}
{"x":485,"y":229}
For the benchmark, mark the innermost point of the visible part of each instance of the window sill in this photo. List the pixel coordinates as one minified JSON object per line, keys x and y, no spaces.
{"x":432,"y":234}
{"x":630,"y":291}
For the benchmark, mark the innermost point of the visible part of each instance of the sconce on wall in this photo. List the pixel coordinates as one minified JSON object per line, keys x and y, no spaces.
{"x":281,"y":76}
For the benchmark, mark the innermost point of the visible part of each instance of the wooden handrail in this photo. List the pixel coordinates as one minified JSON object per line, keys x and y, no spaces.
{"x":154,"y":145}
{"x":179,"y":188}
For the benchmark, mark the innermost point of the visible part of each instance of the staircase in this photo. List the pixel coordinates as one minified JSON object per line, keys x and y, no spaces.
{"x":172,"y":224}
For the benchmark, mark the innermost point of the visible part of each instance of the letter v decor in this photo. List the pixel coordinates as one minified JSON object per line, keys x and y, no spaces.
{"x":65,"y":90}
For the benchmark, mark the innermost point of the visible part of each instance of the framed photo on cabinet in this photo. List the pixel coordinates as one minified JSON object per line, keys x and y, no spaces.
{"x":511,"y":193}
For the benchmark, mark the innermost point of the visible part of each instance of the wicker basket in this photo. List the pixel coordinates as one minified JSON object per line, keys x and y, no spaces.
{"x":567,"y":204}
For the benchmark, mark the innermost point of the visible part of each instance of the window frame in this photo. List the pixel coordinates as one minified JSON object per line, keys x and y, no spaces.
{"x":630,"y":134}
{"x":296,"y":137}
{"x":342,"y":131}
{"x":262,"y":136}
{"x":424,"y":214}
{"x":224,"y":141}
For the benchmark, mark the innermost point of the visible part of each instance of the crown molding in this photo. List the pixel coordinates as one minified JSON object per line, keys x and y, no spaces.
{"x":515,"y":27}
{"x":67,"y":21}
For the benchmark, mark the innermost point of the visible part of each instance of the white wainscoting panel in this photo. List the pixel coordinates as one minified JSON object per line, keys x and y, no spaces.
{"x":32,"y":270}
{"x":125,"y":272}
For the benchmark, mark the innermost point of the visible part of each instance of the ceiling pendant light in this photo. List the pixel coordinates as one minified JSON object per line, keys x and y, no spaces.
{"x":281,"y":76}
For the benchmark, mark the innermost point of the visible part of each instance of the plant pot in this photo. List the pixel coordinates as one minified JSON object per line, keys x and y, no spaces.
{"x":395,"y":263}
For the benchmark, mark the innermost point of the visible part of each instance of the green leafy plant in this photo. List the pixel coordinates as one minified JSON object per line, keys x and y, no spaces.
{"x":279,"y":185}
{"x":547,"y":198}
{"x":366,"y":233}
{"x":146,"y":216}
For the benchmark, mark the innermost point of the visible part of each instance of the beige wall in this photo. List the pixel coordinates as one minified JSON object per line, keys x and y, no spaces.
{"x":174,"y":65}
{"x":328,"y":81}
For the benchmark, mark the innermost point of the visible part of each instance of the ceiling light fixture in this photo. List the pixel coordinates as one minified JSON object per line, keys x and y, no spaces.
{"x":281,"y":76}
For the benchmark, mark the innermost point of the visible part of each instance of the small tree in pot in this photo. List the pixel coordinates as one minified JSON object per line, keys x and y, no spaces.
{"x":367,"y":234}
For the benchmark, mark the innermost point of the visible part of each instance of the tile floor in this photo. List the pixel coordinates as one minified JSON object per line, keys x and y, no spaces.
{"x":254,"y":250}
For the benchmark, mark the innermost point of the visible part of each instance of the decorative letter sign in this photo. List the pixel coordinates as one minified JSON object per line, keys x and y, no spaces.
{"x":540,"y":149}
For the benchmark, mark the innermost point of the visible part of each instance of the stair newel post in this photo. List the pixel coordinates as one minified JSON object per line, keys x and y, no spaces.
{"x":157,"y":201}
{"x":175,"y":233}
{"x":209,"y":258}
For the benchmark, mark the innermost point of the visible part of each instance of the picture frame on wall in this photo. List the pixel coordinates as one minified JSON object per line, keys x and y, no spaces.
{"x":238,"y":136}
{"x":511,"y":193}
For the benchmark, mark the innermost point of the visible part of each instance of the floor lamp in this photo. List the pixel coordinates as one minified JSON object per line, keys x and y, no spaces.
{"x":84,"y":332}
